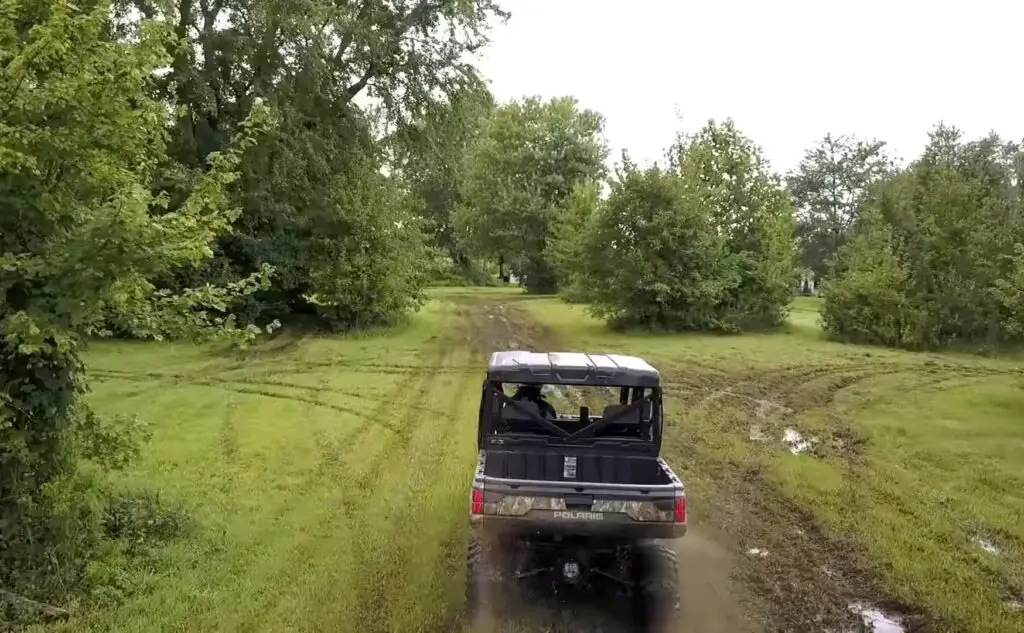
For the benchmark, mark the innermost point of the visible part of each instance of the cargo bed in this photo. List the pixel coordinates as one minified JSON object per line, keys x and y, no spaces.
{"x":524,"y":491}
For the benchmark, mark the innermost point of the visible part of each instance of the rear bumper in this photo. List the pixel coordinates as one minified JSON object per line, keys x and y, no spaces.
{"x":609,"y":525}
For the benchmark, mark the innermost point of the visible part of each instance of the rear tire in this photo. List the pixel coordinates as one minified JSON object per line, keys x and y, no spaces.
{"x":656,"y":601}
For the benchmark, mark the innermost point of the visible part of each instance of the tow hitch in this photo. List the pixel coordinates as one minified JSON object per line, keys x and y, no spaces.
{"x":571,"y":572}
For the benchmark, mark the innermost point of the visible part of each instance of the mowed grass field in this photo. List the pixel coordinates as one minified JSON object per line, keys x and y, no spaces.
{"x":326,"y":477}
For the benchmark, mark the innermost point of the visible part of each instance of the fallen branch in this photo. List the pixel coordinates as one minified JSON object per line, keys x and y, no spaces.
{"x":48,"y":611}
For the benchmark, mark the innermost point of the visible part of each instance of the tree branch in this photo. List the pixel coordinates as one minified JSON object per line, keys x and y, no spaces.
{"x":48,"y":611}
{"x":415,"y":15}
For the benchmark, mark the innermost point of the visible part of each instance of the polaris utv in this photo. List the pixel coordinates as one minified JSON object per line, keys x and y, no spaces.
{"x":574,"y":498}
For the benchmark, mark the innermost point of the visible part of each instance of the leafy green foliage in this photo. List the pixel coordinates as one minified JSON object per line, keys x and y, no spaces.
{"x":525,"y":164}
{"x":81,"y":240}
{"x":566,"y":250}
{"x":343,"y":238}
{"x":314,"y":205}
{"x":429,"y":156}
{"x":705,"y":245}
{"x":730,"y":179}
{"x":652,"y":258}
{"x":142,"y":517}
{"x":937,"y":261}
{"x":830,"y":187}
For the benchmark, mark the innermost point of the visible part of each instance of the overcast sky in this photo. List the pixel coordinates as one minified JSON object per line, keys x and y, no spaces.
{"x":787,"y":71}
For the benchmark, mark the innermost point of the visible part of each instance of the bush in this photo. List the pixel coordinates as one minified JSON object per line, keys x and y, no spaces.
{"x":653,"y":259}
{"x":707,"y":245}
{"x":140,"y":518}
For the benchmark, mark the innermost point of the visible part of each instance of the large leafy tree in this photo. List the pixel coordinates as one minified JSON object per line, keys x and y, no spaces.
{"x":726,"y":173}
{"x":342,"y":74}
{"x":706,"y":244}
{"x":519,"y":172}
{"x":830,"y":187}
{"x":429,"y":154}
{"x":82,"y":239}
{"x":652,"y":258}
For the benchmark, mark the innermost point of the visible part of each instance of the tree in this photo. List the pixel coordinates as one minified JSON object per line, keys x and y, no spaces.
{"x":952,"y":225}
{"x":567,"y":248}
{"x":830,"y":187}
{"x":313,"y":202}
{"x":429,"y":156}
{"x":728,"y":176}
{"x":705,"y":245}
{"x":81,"y":241}
{"x":652,"y":257}
{"x":526,"y":162}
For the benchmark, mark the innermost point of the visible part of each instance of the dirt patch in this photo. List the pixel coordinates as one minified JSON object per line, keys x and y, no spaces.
{"x":803,"y":578}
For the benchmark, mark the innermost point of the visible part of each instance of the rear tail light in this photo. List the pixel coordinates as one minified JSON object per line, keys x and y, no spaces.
{"x":478,"y":501}
{"x":680,"y":510}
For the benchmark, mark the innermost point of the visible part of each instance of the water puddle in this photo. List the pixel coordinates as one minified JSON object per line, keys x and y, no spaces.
{"x":796,"y":442}
{"x":877,"y":620}
{"x":986,"y":545}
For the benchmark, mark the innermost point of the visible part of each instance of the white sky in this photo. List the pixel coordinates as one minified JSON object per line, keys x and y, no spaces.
{"x":787,"y":71}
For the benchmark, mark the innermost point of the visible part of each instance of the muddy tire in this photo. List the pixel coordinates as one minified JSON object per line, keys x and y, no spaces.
{"x":656,"y":602}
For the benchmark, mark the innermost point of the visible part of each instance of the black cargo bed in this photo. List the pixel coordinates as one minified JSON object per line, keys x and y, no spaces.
{"x":548,"y":465}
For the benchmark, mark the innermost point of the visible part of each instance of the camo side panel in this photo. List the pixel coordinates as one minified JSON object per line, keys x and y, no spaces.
{"x":636,"y":510}
{"x":517,"y":506}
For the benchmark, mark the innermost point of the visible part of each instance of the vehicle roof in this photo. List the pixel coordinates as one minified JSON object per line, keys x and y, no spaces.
{"x":524,"y":366}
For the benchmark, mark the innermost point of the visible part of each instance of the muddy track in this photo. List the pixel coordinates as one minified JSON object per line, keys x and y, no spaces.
{"x":251,"y":386}
{"x":711,"y":601}
{"x":804,"y":579}
{"x":372,"y":597}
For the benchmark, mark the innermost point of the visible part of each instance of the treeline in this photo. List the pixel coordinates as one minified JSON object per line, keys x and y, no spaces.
{"x":927,"y":255}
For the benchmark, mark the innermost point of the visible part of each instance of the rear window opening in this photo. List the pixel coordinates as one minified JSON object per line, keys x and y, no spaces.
{"x":574,"y":407}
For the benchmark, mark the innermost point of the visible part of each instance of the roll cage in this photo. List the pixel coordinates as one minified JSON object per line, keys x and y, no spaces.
{"x":636,"y":420}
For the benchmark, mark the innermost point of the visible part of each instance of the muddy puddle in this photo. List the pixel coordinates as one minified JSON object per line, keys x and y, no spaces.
{"x":876,"y":620}
{"x":792,"y":439}
{"x":796,"y":442}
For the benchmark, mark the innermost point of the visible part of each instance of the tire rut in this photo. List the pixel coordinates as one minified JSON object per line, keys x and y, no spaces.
{"x":370,"y":597}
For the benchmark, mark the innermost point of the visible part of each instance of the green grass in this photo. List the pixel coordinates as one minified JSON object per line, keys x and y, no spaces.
{"x":918,"y":454}
{"x":327,"y":476}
